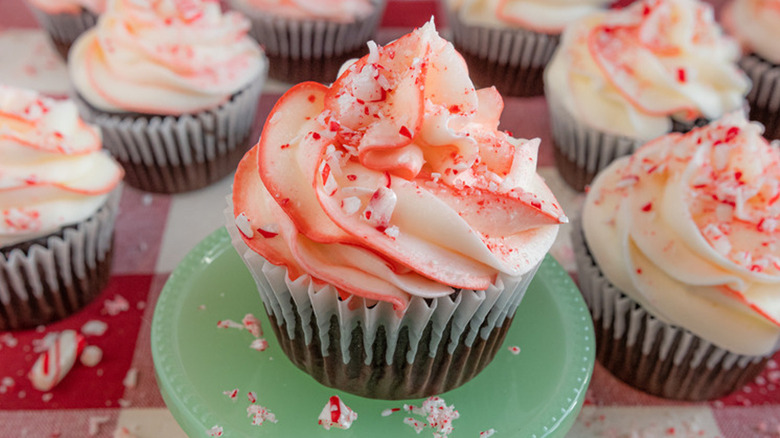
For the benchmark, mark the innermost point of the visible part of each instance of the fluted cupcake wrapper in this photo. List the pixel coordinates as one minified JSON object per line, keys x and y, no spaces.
{"x":172,"y":154}
{"x":657,"y":357}
{"x":369,"y":349}
{"x":64,"y":29}
{"x":582,"y":151}
{"x":50,"y":280}
{"x":511,"y":59}
{"x":764,"y":96}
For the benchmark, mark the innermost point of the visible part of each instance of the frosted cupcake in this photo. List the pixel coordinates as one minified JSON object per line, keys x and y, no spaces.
{"x":59,"y":195}
{"x":391,"y":228}
{"x":756,"y":24}
{"x":174,"y":87}
{"x":678,"y":254}
{"x":310,"y":39}
{"x":623,"y":77}
{"x":507,"y":43}
{"x":65,"y":20}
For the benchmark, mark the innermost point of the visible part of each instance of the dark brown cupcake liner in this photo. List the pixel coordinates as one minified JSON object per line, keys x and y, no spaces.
{"x":511,"y":59}
{"x":63,"y":29}
{"x":174,"y":154}
{"x":651,"y":355}
{"x":56,"y":275}
{"x":764,"y":97}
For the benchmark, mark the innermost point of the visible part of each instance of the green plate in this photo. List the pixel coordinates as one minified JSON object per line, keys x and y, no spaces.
{"x":536,"y":393}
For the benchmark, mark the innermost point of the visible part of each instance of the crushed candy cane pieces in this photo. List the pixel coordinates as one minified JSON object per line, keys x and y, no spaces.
{"x":116,"y":306}
{"x":215,"y":431}
{"x":94,"y":327}
{"x":488,"y":433}
{"x":514,"y":349}
{"x":260,"y":414}
{"x":438,"y":415}
{"x":336,"y":414}
{"x":131,"y":378}
{"x":55,"y":363}
{"x":91,"y":356}
{"x":232,"y":394}
{"x":252,"y":396}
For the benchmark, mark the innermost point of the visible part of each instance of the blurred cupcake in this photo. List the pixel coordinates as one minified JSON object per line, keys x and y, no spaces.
{"x":308,"y":40}
{"x":507,"y":43}
{"x":756,"y":24}
{"x":678,"y":254}
{"x":59,"y":195}
{"x":65,"y":20}
{"x":391,"y":228}
{"x":174,"y":87}
{"x":623,"y":77}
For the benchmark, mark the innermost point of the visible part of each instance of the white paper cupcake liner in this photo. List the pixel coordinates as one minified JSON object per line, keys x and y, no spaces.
{"x":172,"y":154}
{"x":310,"y":39}
{"x":655,"y":356}
{"x":764,"y":96}
{"x":45,"y":283}
{"x":64,"y":28}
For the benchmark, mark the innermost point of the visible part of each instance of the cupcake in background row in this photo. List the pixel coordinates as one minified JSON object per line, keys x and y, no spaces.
{"x":174,"y":87}
{"x":623,"y":77}
{"x":507,"y":43}
{"x":756,"y":24}
{"x":59,"y":196}
{"x":678,"y":254}
{"x":391,"y":227}
{"x":310,"y":39}
{"x":65,"y":20}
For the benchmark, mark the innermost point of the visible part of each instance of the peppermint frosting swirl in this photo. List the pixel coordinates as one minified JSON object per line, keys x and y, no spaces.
{"x":629,"y":71}
{"x":395,"y":181}
{"x":756,"y":24}
{"x":340,"y":11}
{"x":688,"y":227}
{"x":52,"y":169}
{"x":164,"y":57}
{"x":545,"y":16}
{"x":69,"y":6}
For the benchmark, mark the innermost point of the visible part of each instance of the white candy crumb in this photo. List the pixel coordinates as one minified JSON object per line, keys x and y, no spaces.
{"x":252,"y":396}
{"x":350,"y":205}
{"x":47,"y":397}
{"x":514,"y":349}
{"x":244,"y":226}
{"x":229,"y":323}
{"x":259,"y":344}
{"x":392,"y":231}
{"x":202,"y":307}
{"x":260,"y":414}
{"x":488,"y":433}
{"x":94,"y":327}
{"x":418,"y":426}
{"x":141,"y":305}
{"x":131,"y":378}
{"x":124,"y":403}
{"x":116,"y":306}
{"x":95,"y":423}
{"x":215,"y":431}
{"x":232,"y":394}
{"x":389,"y":412}
{"x":9,"y":340}
{"x":252,"y":324}
{"x":436,"y":412}
{"x":146,"y":200}
{"x":91,"y":356}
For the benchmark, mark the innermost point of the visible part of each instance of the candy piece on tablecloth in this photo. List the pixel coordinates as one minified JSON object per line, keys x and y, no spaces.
{"x":94,"y":327}
{"x":260,"y":414}
{"x":54,"y":363}
{"x":91,"y":356}
{"x":336,"y":414}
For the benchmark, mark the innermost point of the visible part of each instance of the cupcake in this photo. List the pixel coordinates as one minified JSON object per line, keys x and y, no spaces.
{"x":392,"y":230}
{"x":623,"y":77}
{"x":507,"y":43}
{"x":309,"y":40}
{"x":678,"y":255}
{"x":756,"y":24}
{"x":59,"y":195}
{"x":174,"y":86}
{"x":65,"y":20}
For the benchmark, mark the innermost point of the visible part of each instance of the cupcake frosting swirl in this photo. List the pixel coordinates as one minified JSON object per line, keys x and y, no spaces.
{"x":688,"y":227}
{"x":340,"y":11}
{"x":395,"y":181}
{"x":629,"y":71}
{"x":756,"y":24}
{"x":52,"y":169}
{"x":69,"y":6}
{"x":164,"y":57}
{"x":545,"y":16}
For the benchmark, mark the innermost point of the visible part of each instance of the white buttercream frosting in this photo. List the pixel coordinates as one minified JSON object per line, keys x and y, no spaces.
{"x":340,"y":11}
{"x":756,"y":24}
{"x":52,"y":169}
{"x":688,"y":227}
{"x":629,"y":71}
{"x":164,"y":57}
{"x":69,"y":6}
{"x":546,"y":16}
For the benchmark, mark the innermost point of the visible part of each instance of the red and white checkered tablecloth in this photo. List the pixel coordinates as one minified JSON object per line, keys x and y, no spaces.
{"x":154,"y":232}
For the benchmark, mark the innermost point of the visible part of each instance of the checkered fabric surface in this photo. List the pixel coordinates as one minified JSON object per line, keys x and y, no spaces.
{"x":154,"y":232}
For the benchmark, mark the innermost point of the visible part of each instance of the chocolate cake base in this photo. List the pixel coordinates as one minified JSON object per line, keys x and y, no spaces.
{"x":517,"y":81}
{"x":425,"y":376}
{"x":576,"y":176}
{"x":764,"y":96}
{"x":322,"y":70}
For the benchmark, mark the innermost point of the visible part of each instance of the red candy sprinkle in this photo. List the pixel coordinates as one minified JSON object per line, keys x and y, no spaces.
{"x":647,"y":207}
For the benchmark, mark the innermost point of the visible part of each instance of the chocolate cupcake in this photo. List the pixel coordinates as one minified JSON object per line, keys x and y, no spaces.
{"x":392,"y":230}
{"x":65,"y":20}
{"x":174,"y":87}
{"x":677,"y":255}
{"x":310,"y":40}
{"x":623,"y":77}
{"x":508,"y":43}
{"x":59,"y":199}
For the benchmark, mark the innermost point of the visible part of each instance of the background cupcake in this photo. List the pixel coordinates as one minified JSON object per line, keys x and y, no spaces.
{"x":507,"y":43}
{"x":310,"y":39}
{"x":58,"y":199}
{"x":174,"y":87}
{"x":677,"y":254}
{"x":65,"y":20}
{"x":756,"y":24}
{"x":623,"y":77}
{"x":392,"y":230}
